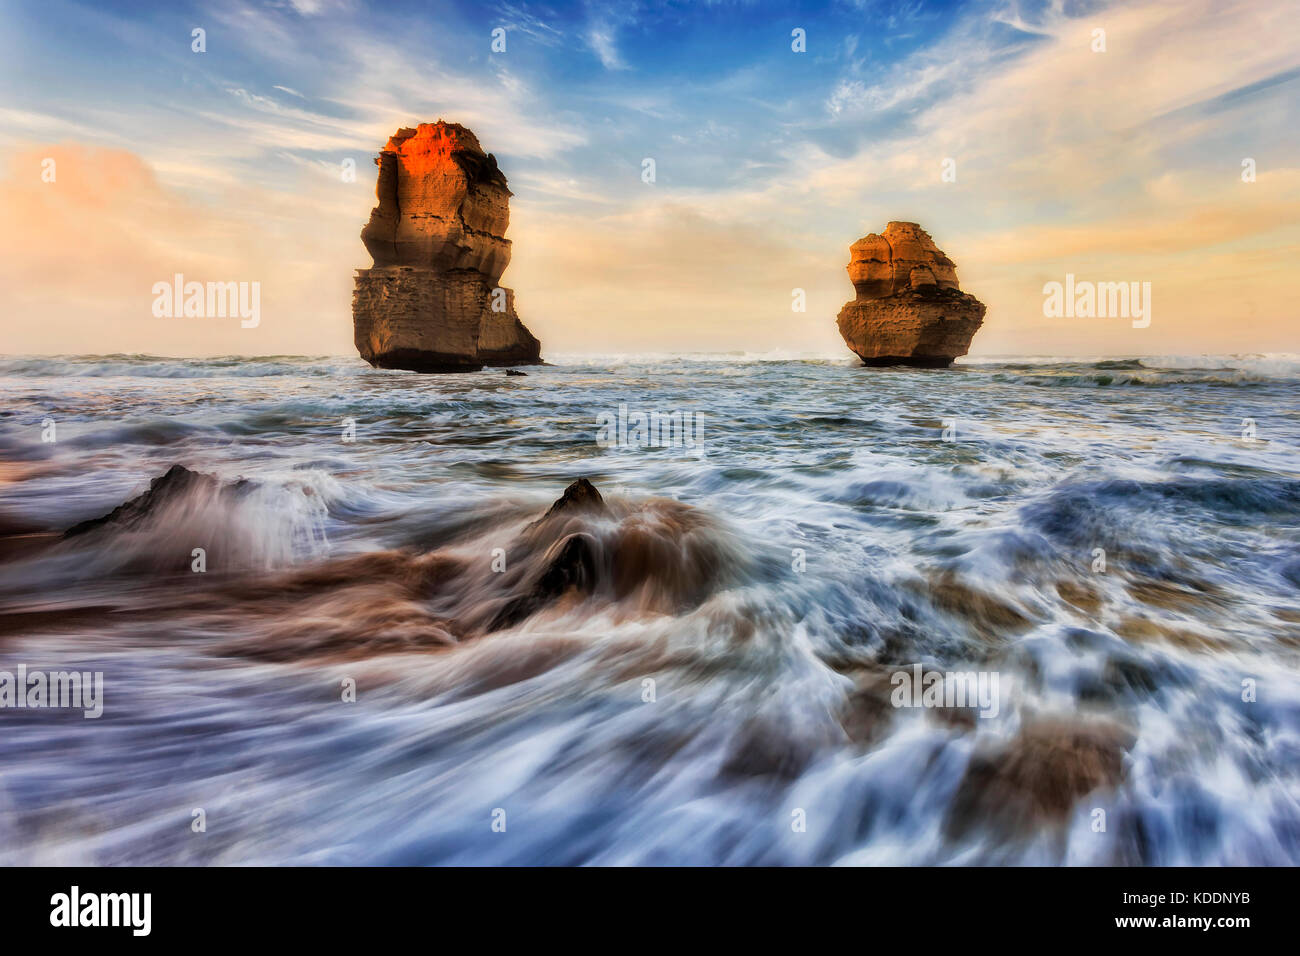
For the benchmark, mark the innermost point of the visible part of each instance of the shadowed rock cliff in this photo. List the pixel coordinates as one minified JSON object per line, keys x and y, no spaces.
{"x":432,"y":302}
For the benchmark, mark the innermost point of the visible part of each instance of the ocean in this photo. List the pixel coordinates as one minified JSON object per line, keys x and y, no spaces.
{"x":366,"y":641}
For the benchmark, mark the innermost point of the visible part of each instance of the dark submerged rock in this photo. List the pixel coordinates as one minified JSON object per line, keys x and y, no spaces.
{"x":176,"y":483}
{"x":579,"y":496}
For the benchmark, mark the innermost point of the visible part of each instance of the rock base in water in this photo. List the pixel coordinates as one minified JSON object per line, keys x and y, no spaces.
{"x":926,"y":328}
{"x":391,"y":310}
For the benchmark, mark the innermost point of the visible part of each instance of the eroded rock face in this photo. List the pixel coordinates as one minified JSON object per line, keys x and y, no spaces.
{"x":432,"y":302}
{"x":909,"y":308}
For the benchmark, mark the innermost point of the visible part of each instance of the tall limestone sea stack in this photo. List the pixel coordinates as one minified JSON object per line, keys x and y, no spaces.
{"x":909,"y":309}
{"x":432,"y":302}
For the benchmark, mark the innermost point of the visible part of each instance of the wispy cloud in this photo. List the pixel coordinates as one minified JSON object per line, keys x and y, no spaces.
{"x":770,"y":162}
{"x":515,"y":17}
{"x":601,"y":38}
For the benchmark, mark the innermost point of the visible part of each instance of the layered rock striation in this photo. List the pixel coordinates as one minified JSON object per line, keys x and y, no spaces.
{"x":433,"y":300}
{"x":909,"y":309}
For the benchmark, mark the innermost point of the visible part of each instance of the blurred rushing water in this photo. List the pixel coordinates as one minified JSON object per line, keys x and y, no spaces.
{"x":1117,"y":541}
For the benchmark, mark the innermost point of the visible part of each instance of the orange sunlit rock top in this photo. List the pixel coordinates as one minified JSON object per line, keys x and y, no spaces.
{"x":443,"y":203}
{"x":881,"y":265}
{"x":429,"y":147}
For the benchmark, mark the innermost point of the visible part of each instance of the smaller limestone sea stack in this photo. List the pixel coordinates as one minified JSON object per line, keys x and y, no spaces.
{"x":432,"y":302}
{"x":909,"y":309}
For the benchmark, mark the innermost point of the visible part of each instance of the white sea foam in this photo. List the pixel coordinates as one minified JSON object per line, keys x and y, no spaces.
{"x":843,"y":537}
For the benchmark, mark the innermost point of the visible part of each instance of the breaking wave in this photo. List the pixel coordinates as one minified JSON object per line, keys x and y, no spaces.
{"x":673,"y":660}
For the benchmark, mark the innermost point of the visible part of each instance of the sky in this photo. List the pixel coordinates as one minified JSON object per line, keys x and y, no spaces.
{"x":1122,"y":164}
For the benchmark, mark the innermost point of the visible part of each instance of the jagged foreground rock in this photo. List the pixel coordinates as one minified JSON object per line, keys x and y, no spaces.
{"x":432,"y":302}
{"x":909,"y":309}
